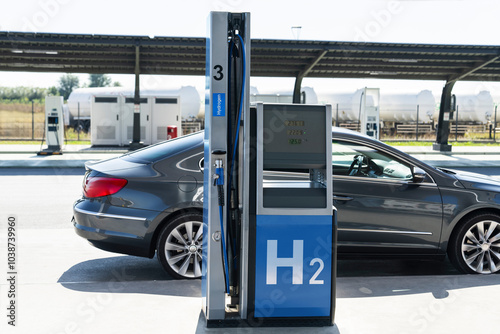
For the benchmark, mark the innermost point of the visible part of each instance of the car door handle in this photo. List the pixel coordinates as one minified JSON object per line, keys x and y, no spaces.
{"x":342,"y":198}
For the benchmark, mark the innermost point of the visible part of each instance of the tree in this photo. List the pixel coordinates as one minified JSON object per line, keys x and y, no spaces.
{"x":53,"y":91}
{"x":99,"y":80}
{"x":117,"y":84}
{"x":67,"y":83}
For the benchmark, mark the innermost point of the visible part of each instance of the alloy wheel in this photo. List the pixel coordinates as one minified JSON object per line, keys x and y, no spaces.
{"x":183,"y":249}
{"x":481,"y":247}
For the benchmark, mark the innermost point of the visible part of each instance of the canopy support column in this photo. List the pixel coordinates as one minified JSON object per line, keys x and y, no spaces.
{"x":443,"y":127}
{"x":303,"y":73}
{"x":136,"y":138}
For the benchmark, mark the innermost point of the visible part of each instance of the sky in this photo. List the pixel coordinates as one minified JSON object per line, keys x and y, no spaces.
{"x":405,"y":21}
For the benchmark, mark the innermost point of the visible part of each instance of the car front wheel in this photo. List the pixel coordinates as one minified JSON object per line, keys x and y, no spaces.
{"x":179,"y":247}
{"x":475,"y":246}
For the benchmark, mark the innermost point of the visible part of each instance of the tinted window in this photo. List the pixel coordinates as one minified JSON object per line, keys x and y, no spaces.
{"x":166,"y":101}
{"x":351,"y":159}
{"x":131,"y":100}
{"x":162,"y":150}
{"x":106,"y":100}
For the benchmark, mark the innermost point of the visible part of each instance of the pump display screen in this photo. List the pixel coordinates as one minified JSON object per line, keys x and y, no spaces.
{"x":295,"y":141}
{"x":53,"y":120}
{"x":295,"y":123}
{"x":295,"y":132}
{"x":294,"y":135}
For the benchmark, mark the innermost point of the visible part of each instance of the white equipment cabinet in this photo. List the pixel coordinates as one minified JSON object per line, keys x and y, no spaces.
{"x":127,"y":129}
{"x":165,"y":111}
{"x":113,"y":118}
{"x":106,"y":113}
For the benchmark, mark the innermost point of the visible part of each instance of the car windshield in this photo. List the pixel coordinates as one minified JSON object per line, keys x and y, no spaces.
{"x":162,"y":150}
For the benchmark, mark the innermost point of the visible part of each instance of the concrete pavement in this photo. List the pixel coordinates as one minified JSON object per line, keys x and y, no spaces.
{"x":67,"y":286}
{"x":74,"y":156}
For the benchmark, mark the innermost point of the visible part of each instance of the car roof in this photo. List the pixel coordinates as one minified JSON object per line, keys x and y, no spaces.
{"x":343,"y":132}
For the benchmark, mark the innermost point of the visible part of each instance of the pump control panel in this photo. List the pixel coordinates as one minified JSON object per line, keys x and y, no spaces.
{"x":293,"y":136}
{"x":294,"y":212}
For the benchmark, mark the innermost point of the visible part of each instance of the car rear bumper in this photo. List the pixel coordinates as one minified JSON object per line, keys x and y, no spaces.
{"x":125,"y":233}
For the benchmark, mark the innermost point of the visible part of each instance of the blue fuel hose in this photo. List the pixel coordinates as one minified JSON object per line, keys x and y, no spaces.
{"x":219,"y":182}
{"x":220,"y":171}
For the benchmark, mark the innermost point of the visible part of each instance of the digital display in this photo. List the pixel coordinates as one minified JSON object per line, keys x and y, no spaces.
{"x":295,"y":132}
{"x":295,"y":123}
{"x":294,"y":141}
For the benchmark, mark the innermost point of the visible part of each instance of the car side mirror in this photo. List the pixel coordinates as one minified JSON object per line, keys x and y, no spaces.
{"x":419,"y":175}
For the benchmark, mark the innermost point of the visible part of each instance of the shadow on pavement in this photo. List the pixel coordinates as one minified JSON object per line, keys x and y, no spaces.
{"x":361,"y":278}
{"x":356,"y":278}
{"x":126,"y":274}
{"x":393,"y":267}
{"x":441,"y":287}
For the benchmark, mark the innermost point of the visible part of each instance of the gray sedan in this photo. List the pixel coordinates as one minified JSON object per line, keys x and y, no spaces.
{"x":389,"y":204}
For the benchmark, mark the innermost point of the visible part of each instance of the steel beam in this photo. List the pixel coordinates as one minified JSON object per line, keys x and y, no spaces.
{"x":477,"y":66}
{"x":303,"y":73}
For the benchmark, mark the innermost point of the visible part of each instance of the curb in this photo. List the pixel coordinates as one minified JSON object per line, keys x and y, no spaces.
{"x":43,"y":164}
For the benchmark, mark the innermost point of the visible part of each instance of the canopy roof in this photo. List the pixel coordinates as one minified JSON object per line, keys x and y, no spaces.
{"x":74,"y":53}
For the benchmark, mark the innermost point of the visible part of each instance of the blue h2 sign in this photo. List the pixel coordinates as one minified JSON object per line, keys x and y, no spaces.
{"x":293,"y":274}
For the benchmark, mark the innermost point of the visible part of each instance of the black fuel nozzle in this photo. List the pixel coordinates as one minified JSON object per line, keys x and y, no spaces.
{"x":218,"y":177}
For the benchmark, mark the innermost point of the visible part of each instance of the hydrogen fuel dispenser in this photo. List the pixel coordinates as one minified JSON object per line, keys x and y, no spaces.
{"x":294,"y":226}
{"x":54,"y":125}
{"x":370,"y":112}
{"x":269,"y":245}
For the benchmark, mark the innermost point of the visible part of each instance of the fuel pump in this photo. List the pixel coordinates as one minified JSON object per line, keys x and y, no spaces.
{"x":54,"y":125}
{"x":269,"y":234}
{"x":227,"y":76}
{"x":370,"y":112}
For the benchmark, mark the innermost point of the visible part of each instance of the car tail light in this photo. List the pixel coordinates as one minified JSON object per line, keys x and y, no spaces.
{"x":102,"y":186}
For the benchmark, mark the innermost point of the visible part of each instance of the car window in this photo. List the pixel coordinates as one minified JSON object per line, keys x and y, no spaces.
{"x":166,"y":148}
{"x":352,"y":159}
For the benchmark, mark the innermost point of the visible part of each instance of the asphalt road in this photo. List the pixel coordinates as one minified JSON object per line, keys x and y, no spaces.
{"x":40,"y":197}
{"x":67,"y":286}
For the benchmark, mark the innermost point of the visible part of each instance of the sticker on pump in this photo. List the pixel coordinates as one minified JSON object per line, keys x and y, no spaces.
{"x":219,"y":104}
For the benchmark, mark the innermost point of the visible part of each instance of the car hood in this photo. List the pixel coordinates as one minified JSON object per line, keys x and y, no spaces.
{"x":476,"y":181}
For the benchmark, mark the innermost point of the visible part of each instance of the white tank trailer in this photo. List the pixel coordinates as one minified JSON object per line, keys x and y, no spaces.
{"x":346,"y":107}
{"x":308,"y":96}
{"x":478,"y":109}
{"x":189,"y":96}
{"x":401,"y":108}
